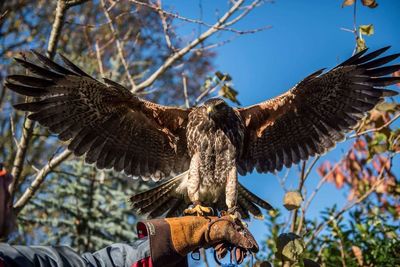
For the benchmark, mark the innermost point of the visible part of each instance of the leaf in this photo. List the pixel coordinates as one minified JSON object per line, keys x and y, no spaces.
{"x":223,"y":76}
{"x":379,"y":138}
{"x":360,"y":44}
{"x":339,"y":179}
{"x":290,"y":247}
{"x":370,"y":3}
{"x":397,"y":74}
{"x":367,"y":29}
{"x":229,"y":93}
{"x":348,"y":3}
{"x":310,"y":263}
{"x":292,"y":200}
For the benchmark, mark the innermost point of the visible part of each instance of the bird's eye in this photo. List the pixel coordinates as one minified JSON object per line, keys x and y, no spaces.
{"x":219,"y":106}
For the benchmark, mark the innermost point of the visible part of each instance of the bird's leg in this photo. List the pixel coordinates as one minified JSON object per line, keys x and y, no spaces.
{"x":194,"y":190}
{"x":231,"y":193}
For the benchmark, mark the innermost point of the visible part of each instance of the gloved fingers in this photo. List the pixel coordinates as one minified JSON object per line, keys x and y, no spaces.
{"x":242,"y":238}
{"x":240,"y":254}
{"x":221,"y":250}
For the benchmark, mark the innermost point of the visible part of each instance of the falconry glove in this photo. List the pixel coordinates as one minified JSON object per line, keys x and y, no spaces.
{"x":171,"y":239}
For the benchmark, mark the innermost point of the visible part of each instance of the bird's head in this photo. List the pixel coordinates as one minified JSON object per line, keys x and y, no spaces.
{"x":216,"y":108}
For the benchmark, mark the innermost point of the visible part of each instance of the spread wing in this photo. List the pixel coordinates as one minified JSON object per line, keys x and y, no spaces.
{"x":315,"y":114}
{"x":104,"y":121}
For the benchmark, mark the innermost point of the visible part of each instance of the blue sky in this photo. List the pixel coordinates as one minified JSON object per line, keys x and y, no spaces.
{"x":305,"y":36}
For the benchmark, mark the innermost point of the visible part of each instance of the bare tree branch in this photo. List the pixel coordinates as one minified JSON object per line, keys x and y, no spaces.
{"x":165,"y":26}
{"x":375,"y":129}
{"x":350,"y":205}
{"x":30,"y":191}
{"x":120,"y":46}
{"x":57,"y":28}
{"x":299,"y":189}
{"x":185,"y":91}
{"x":71,"y":3}
{"x":224,"y":27}
{"x":99,"y":61}
{"x":29,"y":125}
{"x":174,"y":57}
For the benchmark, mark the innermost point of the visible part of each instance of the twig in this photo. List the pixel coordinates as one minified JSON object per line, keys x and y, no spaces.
{"x":120,"y":46}
{"x":165,"y":26}
{"x":19,"y":159}
{"x":185,"y":92}
{"x":342,"y":253}
{"x":313,"y":194}
{"x":71,"y":3}
{"x":30,"y":191}
{"x":61,"y":10}
{"x":215,"y":45}
{"x":375,"y":129}
{"x":282,"y":180}
{"x":174,"y":57}
{"x":319,"y":185}
{"x":355,"y":26}
{"x":246,"y":11}
{"x":299,"y":189}
{"x":99,"y":61}
{"x":200,"y":22}
{"x":2,"y":16}
{"x":208,"y":91}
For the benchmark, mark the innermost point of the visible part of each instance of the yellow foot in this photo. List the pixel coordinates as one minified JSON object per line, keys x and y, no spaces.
{"x":198,"y":210}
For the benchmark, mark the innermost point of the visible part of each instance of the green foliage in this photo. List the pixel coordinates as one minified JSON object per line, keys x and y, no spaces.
{"x":367,"y":235}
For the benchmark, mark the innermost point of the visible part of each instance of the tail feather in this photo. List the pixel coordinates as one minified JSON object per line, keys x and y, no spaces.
{"x":244,"y":213}
{"x":157,"y":203}
{"x":163,"y":192}
{"x":253,"y":198}
{"x":160,"y":199}
{"x":156,"y":190}
{"x":164,"y":206}
{"x":250,"y":206}
{"x":177,"y":209}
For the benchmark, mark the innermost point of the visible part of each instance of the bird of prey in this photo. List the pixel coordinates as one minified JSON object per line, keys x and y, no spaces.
{"x":207,"y":146}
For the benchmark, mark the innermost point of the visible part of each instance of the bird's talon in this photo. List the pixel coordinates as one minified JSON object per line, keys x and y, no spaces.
{"x":198,"y":210}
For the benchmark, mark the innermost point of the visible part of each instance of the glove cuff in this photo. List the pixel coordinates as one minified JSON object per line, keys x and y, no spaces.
{"x":162,"y":249}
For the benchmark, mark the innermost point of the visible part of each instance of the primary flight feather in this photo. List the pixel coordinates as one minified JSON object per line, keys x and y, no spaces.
{"x":208,"y":145}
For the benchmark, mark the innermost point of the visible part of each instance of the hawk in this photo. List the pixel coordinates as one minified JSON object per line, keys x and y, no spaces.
{"x":207,"y":146}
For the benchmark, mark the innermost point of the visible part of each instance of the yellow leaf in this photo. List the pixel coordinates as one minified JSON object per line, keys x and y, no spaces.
{"x":367,"y":29}
{"x":292,"y":200}
{"x":361,"y":44}
{"x":397,"y":74}
{"x":347,"y":3}
{"x":229,"y":93}
{"x":369,"y":3}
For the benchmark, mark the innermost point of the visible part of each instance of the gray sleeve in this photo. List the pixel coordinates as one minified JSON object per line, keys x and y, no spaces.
{"x":63,"y":256}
